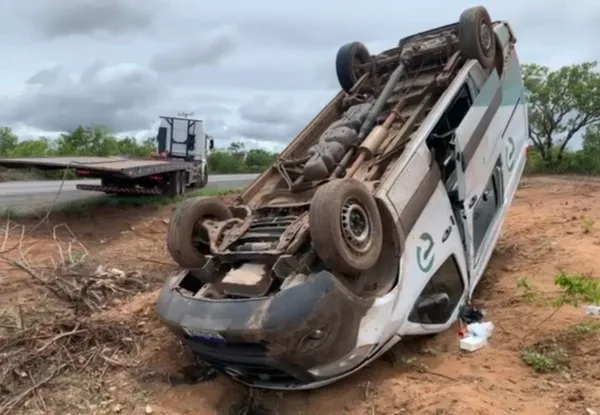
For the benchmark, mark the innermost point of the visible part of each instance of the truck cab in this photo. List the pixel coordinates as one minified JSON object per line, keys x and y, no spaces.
{"x":183,"y":138}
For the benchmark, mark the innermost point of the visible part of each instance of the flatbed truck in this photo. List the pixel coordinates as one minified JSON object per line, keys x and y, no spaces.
{"x":180,"y":162}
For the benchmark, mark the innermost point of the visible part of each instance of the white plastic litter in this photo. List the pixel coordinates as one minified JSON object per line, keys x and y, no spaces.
{"x":476,"y":336}
{"x":593,"y":310}
{"x":472,"y":343}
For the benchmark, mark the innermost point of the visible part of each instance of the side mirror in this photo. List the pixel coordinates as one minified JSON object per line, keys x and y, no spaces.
{"x":211,"y":144}
{"x":434,"y":305}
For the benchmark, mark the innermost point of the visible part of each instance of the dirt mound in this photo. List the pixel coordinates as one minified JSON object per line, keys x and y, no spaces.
{"x":534,"y":364}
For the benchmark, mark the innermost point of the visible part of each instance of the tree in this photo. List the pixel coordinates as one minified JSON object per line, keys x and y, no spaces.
{"x":96,"y":140}
{"x":561,"y":104}
{"x":591,"y":141}
{"x":8,"y":141}
{"x":39,"y":147}
{"x":257,"y":159}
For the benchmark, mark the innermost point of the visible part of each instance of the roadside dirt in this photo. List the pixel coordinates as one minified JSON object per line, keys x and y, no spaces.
{"x":121,"y":360}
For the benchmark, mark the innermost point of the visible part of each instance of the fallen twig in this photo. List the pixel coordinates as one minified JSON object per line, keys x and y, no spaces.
{"x":4,"y":409}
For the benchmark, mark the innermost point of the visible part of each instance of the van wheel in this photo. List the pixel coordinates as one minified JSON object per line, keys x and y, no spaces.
{"x":347,"y":62}
{"x":345,"y":226}
{"x":187,"y":240}
{"x":476,"y":37}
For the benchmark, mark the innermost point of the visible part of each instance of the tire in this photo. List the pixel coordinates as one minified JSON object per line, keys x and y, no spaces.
{"x":175,"y":186}
{"x":182,"y":183}
{"x":183,"y":229}
{"x":476,"y":37}
{"x":346,"y":61}
{"x":201,"y":180}
{"x":332,"y":238}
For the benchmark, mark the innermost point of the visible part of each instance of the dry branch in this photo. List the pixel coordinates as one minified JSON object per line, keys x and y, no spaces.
{"x":65,"y":274}
{"x":40,"y":347}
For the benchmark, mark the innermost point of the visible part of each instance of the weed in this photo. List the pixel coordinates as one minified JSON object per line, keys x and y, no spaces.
{"x":587,"y":224}
{"x":547,"y":362}
{"x":527,"y":289}
{"x":576,"y":288}
{"x":586,"y":326}
{"x":8,"y":213}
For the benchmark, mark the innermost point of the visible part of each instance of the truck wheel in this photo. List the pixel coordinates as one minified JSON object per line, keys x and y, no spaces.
{"x":175,"y":185}
{"x":347,"y":60}
{"x":182,"y":183}
{"x":187,"y":240}
{"x":201,"y":180}
{"x":476,"y":37}
{"x":345,"y":226}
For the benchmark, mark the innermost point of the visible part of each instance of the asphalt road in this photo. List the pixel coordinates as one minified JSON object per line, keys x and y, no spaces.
{"x":29,"y":196}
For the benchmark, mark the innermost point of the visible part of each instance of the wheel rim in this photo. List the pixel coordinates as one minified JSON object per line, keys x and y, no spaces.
{"x":357,"y":72}
{"x":356,"y":226}
{"x":485,"y":37}
{"x":199,"y":234}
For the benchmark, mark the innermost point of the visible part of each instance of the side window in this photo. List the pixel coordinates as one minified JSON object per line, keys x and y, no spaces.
{"x":441,"y":295}
{"x":477,"y":78}
{"x":441,"y":139}
{"x":486,"y":207}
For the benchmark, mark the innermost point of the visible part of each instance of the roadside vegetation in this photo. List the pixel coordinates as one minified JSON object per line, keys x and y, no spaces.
{"x":564,"y":107}
{"x":98,"y":140}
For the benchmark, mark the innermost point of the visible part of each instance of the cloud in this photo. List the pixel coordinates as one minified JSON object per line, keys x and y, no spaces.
{"x":206,"y":50}
{"x":277,"y":118}
{"x":117,"y":96}
{"x":262,"y":109}
{"x":90,"y":17}
{"x":46,"y":76}
{"x":254,"y":71}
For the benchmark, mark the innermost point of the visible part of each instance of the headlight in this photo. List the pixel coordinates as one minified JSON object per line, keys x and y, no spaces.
{"x":348,"y":362}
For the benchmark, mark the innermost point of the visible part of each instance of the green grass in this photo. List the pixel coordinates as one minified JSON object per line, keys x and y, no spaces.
{"x":80,"y":207}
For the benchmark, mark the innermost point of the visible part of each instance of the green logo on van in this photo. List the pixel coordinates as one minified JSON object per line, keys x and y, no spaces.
{"x":425,"y":255}
{"x":510,"y":154}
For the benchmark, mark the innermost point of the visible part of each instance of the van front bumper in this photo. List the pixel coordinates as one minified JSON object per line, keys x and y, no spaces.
{"x":293,"y":339}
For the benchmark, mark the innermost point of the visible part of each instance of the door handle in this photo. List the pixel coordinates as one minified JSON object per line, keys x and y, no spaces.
{"x":472,"y":201}
{"x":486,"y":195}
{"x":447,"y":233}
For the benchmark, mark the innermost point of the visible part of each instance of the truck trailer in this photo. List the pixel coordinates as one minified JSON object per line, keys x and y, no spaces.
{"x":179,"y":162}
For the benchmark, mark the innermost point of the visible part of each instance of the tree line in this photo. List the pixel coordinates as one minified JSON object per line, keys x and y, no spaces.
{"x":98,"y":140}
{"x":564,"y":104}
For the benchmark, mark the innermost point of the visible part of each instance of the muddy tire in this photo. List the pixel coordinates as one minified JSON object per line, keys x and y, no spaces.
{"x":347,"y":60}
{"x":476,"y":37}
{"x":345,"y":226}
{"x":185,"y":236}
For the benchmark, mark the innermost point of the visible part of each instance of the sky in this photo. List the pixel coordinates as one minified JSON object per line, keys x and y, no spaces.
{"x":256,"y":71}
